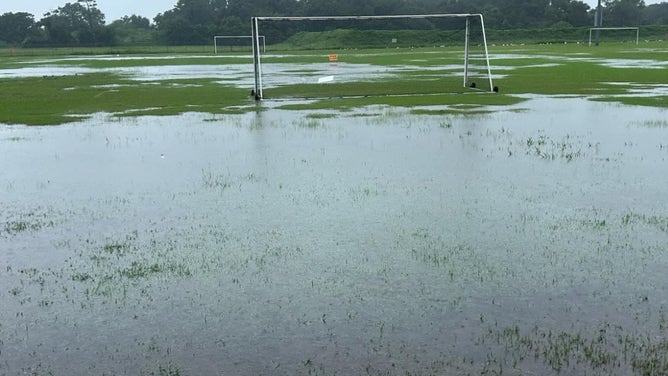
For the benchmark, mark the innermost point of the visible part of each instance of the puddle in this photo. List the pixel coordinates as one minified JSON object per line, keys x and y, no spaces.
{"x":279,"y":74}
{"x":613,"y":63}
{"x":642,"y":89}
{"x":241,"y":75}
{"x":166,"y":58}
{"x":45,"y":71}
{"x":634,"y":63}
{"x":281,"y":243}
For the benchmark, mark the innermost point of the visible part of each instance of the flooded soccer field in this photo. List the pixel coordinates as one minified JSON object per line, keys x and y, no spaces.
{"x":459,"y":239}
{"x":527,"y":241}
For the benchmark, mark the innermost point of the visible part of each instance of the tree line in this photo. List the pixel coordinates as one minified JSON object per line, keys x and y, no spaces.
{"x":81,"y":23}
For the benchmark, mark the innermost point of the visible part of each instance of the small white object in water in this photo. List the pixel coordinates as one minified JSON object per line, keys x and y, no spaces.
{"x":325,"y":79}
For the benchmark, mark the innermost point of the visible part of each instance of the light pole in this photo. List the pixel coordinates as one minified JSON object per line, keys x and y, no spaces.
{"x":598,"y":20}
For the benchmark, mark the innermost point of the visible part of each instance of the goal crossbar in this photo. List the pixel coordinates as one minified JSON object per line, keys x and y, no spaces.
{"x":255,"y":34}
{"x":377,"y":17}
{"x":637,"y":29}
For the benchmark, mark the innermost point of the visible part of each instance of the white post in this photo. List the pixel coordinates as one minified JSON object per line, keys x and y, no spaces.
{"x":466,"y":52}
{"x":484,"y":41}
{"x":256,"y":59}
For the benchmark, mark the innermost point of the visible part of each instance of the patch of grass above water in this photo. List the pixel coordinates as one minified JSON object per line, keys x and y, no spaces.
{"x":580,"y":70}
{"x":450,"y":111}
{"x":61,"y":99}
{"x":572,"y":69}
{"x":652,"y":101}
{"x":345,"y":103}
{"x":308,"y":123}
{"x":320,"y":116}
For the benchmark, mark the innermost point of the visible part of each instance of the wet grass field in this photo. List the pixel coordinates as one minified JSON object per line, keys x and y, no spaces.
{"x":519,"y":238}
{"x":51,"y":90}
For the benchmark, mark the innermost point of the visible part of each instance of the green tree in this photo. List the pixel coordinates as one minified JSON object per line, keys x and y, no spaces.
{"x":577,"y":14}
{"x":189,"y":22}
{"x":176,"y":29}
{"x":133,"y":21}
{"x":656,"y":14}
{"x":15,"y":27}
{"x":55,"y":29}
{"x":93,"y":17}
{"x":623,"y":12}
{"x":75,"y":24}
{"x":197,"y":12}
{"x":133,"y":30}
{"x":232,"y":25}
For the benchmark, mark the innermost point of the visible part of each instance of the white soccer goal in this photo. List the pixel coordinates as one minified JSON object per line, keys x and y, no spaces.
{"x":483,"y":66}
{"x":599,"y":29}
{"x":235,"y":41}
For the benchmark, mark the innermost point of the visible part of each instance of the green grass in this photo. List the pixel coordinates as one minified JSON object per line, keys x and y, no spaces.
{"x":109,"y":50}
{"x":563,"y":69}
{"x":407,"y":100}
{"x":56,"y":100}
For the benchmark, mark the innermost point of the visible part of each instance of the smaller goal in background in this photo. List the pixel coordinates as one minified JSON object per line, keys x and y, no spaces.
{"x":231,"y":43}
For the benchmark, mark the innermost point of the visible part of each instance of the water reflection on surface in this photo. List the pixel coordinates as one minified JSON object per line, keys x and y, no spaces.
{"x":287,"y":243}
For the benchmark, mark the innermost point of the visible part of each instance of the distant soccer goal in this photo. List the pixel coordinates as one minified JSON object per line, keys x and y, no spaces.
{"x":617,"y":34}
{"x":235,"y":43}
{"x":372,"y":55}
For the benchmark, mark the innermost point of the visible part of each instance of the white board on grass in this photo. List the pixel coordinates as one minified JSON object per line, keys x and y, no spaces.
{"x":325,"y":79}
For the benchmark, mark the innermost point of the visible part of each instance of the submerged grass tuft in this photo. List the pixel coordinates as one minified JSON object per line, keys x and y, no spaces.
{"x":143,"y":269}
{"x":605,"y":349}
{"x":568,"y":148}
{"x":662,"y":123}
{"x":309,"y":123}
{"x":169,"y":369}
{"x":29,"y":222}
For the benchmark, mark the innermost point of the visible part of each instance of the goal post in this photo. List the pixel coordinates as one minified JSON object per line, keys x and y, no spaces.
{"x":636,"y":29}
{"x":258,"y":90}
{"x":216,"y":38}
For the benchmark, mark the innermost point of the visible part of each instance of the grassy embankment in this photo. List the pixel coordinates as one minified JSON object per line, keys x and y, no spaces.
{"x":557,"y":69}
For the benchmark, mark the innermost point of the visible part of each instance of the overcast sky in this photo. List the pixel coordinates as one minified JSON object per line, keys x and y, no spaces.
{"x":112,"y":9}
{"x":115,"y":9}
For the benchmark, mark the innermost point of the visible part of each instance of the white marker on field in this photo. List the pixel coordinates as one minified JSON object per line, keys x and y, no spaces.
{"x":325,"y":79}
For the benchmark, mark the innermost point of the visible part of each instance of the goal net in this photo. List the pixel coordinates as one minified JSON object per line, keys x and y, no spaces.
{"x":342,"y":56}
{"x":614,"y":34}
{"x":231,"y":43}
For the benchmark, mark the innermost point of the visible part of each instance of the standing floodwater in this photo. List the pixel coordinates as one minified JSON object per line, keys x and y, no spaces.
{"x":530,"y":240}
